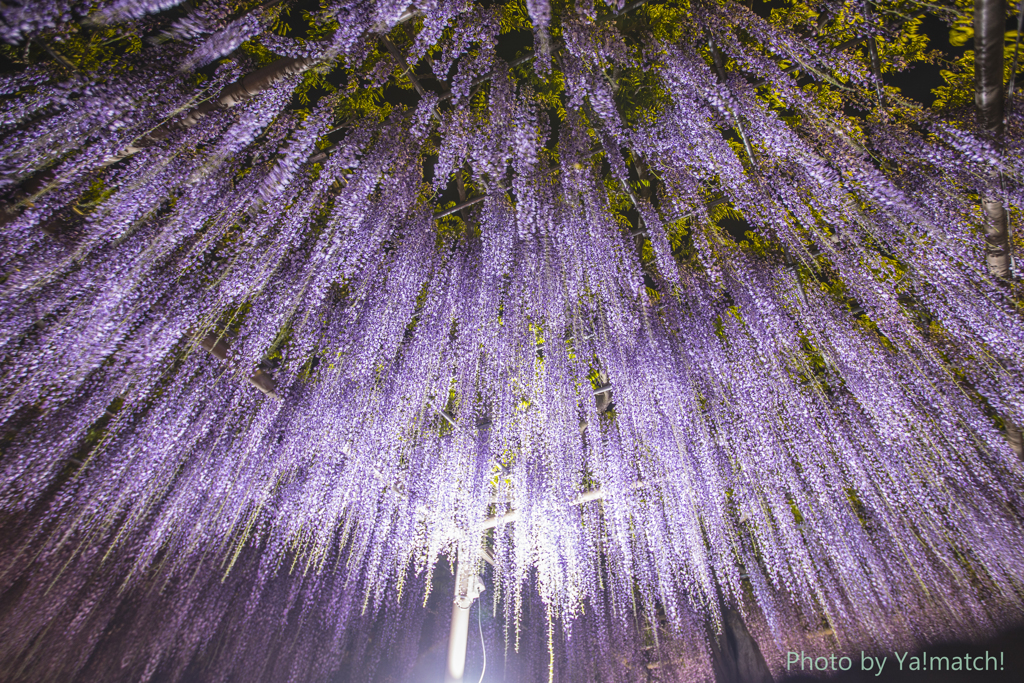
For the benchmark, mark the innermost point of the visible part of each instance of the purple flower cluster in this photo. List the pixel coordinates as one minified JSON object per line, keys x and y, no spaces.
{"x":647,"y":426}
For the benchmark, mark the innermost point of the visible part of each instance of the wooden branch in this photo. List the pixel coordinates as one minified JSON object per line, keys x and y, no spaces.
{"x":249,"y":86}
{"x":400,"y":58}
{"x":60,"y":59}
{"x":236,"y":93}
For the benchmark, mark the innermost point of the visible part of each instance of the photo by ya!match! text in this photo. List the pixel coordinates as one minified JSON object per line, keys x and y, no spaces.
{"x":900,"y":661}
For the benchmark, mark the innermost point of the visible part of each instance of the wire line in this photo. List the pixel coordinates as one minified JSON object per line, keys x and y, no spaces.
{"x":480,"y":624}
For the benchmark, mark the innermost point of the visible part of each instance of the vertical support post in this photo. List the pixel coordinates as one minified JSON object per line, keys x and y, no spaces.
{"x":458,"y":636}
{"x":876,"y":63}
{"x":1016,"y":49}
{"x":719,"y":61}
{"x":989,"y":96}
{"x":1016,"y":439}
{"x":989,"y":34}
{"x":468,"y":587}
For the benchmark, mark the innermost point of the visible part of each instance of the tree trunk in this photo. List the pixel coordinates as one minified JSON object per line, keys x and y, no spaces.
{"x":737,"y":657}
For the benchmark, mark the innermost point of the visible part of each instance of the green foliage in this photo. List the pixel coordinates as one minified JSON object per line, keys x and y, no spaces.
{"x":97,"y":193}
{"x":761,"y":245}
{"x":619,"y":202}
{"x":449,"y":228}
{"x":677,"y":233}
{"x":260,"y":55}
{"x":720,"y":329}
{"x":668,"y":22}
{"x":314,"y":79}
{"x":359,"y":103}
{"x":907,"y":49}
{"x":640,"y":95}
{"x":958,"y":92}
{"x":280,"y":26}
{"x":319,"y":25}
{"x":514,"y":17}
{"x":85,"y":51}
{"x":813,"y":357}
{"x":548,"y":91}
{"x":798,"y":516}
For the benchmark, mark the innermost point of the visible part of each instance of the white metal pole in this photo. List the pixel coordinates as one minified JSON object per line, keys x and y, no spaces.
{"x":457,"y":639}
{"x":468,"y":587}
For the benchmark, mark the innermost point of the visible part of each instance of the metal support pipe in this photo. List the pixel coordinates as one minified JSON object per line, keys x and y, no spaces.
{"x":876,"y":63}
{"x":513,"y":515}
{"x":989,"y":34}
{"x":876,"y":69}
{"x":468,"y":587}
{"x":989,"y":96}
{"x":1016,"y":49}
{"x":718,"y":59}
{"x":218,"y":348}
{"x":460,"y":207}
{"x":458,"y":636}
{"x":1013,"y":435}
{"x":402,"y":62}
{"x":596,"y":494}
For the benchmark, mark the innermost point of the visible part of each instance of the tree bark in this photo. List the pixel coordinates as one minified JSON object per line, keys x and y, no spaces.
{"x":737,"y":657}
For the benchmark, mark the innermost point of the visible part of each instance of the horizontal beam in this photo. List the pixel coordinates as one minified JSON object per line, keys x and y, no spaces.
{"x":218,"y":348}
{"x":449,"y":418}
{"x":460,"y":207}
{"x":625,"y":10}
{"x":587,"y":497}
{"x":513,"y":515}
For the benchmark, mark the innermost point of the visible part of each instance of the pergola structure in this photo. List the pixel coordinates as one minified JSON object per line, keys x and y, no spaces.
{"x":678,"y":321}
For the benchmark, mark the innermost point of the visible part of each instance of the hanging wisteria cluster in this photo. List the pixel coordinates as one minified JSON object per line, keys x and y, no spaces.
{"x":287,"y":321}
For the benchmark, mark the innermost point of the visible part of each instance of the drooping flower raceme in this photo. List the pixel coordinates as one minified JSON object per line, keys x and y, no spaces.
{"x":276,"y":342}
